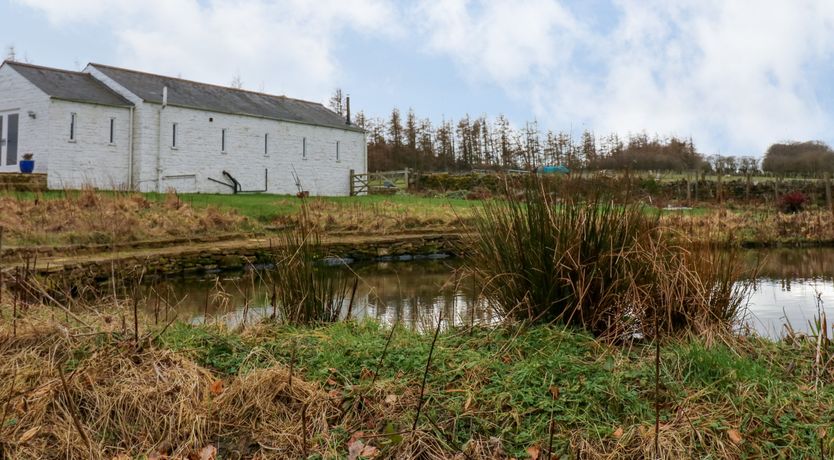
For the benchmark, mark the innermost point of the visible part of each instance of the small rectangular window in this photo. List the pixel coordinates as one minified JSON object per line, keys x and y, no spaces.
{"x":173,"y":135}
{"x":223,"y":140}
{"x":337,"y":151}
{"x":266,"y":144}
{"x":304,"y":148}
{"x":73,"y":120}
{"x":112,"y":130}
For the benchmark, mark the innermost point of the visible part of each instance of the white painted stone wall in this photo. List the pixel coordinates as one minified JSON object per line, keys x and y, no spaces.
{"x":18,"y":95}
{"x":144,"y":132}
{"x":198,"y":156}
{"x":90,"y":159}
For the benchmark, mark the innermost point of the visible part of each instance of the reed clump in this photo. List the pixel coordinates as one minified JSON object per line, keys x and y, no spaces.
{"x":304,"y":290}
{"x":597,"y":265}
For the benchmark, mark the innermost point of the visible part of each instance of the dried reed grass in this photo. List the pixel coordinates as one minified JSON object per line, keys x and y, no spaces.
{"x":597,"y":265}
{"x":91,"y":217}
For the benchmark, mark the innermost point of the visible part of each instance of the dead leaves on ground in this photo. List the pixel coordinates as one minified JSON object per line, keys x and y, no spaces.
{"x":735,"y":436}
{"x":208,"y":452}
{"x":358,"y":449}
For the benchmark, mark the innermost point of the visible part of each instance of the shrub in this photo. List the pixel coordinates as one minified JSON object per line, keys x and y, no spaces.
{"x":793,"y":202}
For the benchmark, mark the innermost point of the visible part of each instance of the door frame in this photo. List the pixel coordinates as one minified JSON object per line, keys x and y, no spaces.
{"x":4,"y":141}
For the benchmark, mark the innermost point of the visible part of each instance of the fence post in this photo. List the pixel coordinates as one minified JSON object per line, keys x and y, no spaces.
{"x":405,"y":173}
{"x":747,"y":188}
{"x":719,"y":191}
{"x":352,"y":189}
{"x":828,"y":192}
{"x":688,"y":191}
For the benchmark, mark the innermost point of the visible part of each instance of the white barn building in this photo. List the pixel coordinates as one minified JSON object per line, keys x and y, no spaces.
{"x":113,"y":128}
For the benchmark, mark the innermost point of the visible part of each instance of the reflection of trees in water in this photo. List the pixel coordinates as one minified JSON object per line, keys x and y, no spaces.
{"x":410,"y":292}
{"x":787,"y":265}
{"x":415,"y":292}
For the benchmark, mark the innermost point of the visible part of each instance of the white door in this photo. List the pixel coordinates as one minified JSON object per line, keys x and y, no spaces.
{"x":9,"y":156}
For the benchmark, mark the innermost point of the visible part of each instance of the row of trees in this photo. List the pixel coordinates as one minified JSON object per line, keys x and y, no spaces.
{"x":398,"y":142}
{"x":480,"y":143}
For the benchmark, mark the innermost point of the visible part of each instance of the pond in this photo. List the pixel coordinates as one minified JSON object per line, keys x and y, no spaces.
{"x":792,"y":284}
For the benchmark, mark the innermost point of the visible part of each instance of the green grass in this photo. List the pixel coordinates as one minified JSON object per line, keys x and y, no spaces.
{"x":265,"y":208}
{"x":506,"y":378}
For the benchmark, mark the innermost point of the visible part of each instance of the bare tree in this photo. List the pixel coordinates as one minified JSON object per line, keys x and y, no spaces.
{"x":236,"y":82}
{"x":337,"y":101}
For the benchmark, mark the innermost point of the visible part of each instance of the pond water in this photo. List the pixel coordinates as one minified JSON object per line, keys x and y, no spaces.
{"x":791,"y":286}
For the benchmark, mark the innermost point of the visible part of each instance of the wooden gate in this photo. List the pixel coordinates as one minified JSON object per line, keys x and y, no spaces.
{"x":365,"y":183}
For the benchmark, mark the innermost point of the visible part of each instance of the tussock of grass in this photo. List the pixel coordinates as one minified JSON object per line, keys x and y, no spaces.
{"x":598,"y":265}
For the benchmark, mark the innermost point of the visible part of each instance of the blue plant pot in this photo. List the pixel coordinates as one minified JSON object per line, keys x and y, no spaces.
{"x":27,"y":166}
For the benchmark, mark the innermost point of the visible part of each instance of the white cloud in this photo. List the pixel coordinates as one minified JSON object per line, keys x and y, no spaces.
{"x":283,"y":46}
{"x":507,"y":41}
{"x":729,"y":73}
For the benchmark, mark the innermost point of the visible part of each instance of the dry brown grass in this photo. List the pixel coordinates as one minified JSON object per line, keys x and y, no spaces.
{"x":765,"y":227}
{"x":132,"y":401}
{"x":378,"y":217}
{"x":91,"y":217}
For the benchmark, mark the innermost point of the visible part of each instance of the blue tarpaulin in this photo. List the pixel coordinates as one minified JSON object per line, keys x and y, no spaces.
{"x":557,"y":169}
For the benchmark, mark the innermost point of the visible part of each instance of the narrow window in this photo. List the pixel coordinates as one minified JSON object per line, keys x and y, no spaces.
{"x":112,"y":129}
{"x":304,"y":148}
{"x":173,"y":135}
{"x":337,"y":151}
{"x":73,"y":118}
{"x":266,"y":144}
{"x":223,"y":140}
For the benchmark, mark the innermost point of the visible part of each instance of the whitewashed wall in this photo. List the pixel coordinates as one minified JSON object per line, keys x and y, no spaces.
{"x":198,"y":154}
{"x":144,"y":133}
{"x":18,"y":95}
{"x":89,"y":160}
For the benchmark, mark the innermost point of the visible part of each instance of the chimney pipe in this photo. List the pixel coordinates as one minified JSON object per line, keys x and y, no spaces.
{"x":347,"y":110}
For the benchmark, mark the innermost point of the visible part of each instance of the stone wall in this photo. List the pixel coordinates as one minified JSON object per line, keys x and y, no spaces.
{"x":202,"y":261}
{"x":16,"y":182}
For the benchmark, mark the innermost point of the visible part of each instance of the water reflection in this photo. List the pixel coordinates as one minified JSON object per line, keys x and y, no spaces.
{"x":787,"y":289}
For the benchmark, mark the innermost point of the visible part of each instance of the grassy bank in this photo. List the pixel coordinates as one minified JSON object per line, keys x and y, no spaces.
{"x":88,"y":217}
{"x":488,"y":394}
{"x":84,"y":217}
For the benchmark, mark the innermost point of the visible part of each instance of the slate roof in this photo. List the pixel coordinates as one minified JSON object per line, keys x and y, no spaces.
{"x":68,"y":85}
{"x":213,"y":98}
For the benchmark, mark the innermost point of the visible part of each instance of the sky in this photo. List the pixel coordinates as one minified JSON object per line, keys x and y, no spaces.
{"x":735,"y":75}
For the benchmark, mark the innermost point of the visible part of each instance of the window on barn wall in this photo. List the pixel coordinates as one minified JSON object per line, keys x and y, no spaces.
{"x":112,"y":130}
{"x":303,"y":148}
{"x":73,"y":121}
{"x":223,"y":140}
{"x":173,"y":135}
{"x":266,"y":144}
{"x":337,"y":151}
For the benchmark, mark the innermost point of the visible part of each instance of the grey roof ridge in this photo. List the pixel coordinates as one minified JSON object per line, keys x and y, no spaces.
{"x":350,"y":127}
{"x":185,"y":80}
{"x":43,"y":67}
